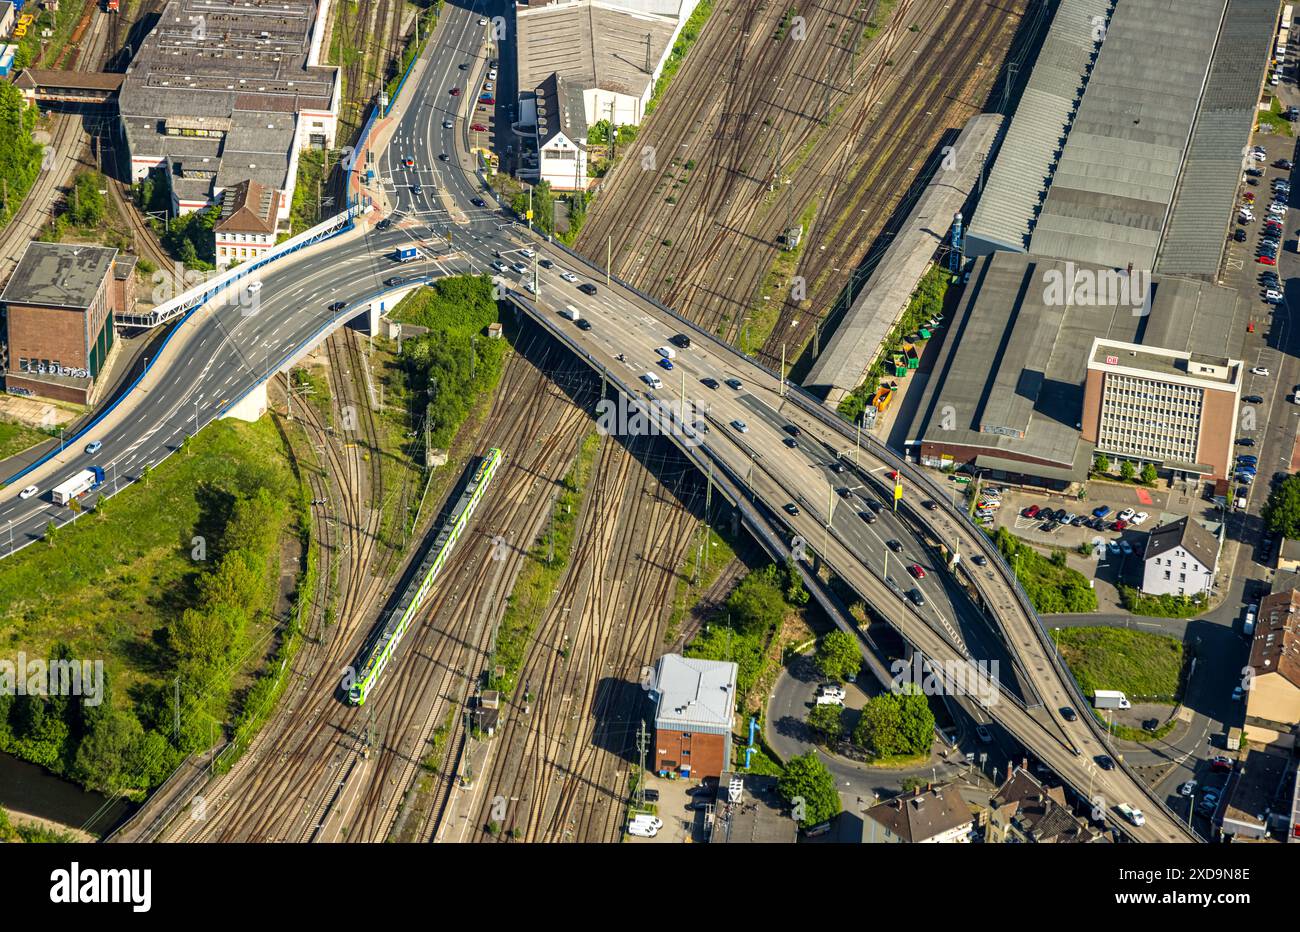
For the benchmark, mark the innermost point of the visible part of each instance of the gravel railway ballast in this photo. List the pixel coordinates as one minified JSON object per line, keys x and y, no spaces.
{"x":384,"y":645}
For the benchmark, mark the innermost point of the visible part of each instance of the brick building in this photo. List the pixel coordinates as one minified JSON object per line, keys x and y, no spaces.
{"x":695,"y":702}
{"x":58,"y":311}
{"x":246,"y":228}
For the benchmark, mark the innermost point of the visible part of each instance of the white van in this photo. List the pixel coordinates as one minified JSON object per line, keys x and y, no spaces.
{"x":645,"y":818}
{"x":652,"y":380}
{"x":667,"y":352}
{"x":570,"y":312}
{"x":642,"y":830}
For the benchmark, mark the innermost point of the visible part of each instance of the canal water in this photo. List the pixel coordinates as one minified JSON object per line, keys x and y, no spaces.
{"x":29,"y":789}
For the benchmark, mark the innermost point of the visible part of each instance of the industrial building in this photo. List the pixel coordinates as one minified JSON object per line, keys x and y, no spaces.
{"x":1257,"y":799}
{"x":611,"y":52}
{"x":749,"y":810}
{"x":1037,"y":369}
{"x":58,"y":311}
{"x":227,"y":91}
{"x":695,"y":702}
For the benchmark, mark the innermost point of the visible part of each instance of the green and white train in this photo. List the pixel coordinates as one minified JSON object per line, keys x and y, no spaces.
{"x":383,"y":647}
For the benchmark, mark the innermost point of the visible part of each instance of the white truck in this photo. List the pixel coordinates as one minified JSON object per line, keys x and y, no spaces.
{"x":830,"y":694}
{"x":667,"y":352}
{"x":77,"y":485}
{"x":1132,"y":814}
{"x":570,"y":312}
{"x":1110,"y":699}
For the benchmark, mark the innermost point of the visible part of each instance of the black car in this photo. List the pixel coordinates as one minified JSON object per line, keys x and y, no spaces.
{"x":1104,"y":761}
{"x":837,"y":468}
{"x":791,"y":508}
{"x":383,"y":224}
{"x":916,"y":597}
{"x":844,"y":491}
{"x":338,"y":306}
{"x":791,"y":429}
{"x":930,"y":505}
{"x":979,"y":560}
{"x":652,"y":796}
{"x":391,"y":282}
{"x":709,"y":383}
{"x":874,"y":505}
{"x":1284,"y":164}
{"x":790,"y":442}
{"x":734,"y":383}
{"x":479,"y":202}
{"x":442,"y":156}
{"x":1245,"y":442}
{"x":583,"y":324}
{"x":545,"y":263}
{"x":1253,"y":399}
{"x":1151,"y":724}
{"x":867,"y":516}
{"x":1239,"y":236}
{"x":681,"y":340}
{"x":894,"y":546}
{"x":1068,"y":713}
{"x":587,"y":288}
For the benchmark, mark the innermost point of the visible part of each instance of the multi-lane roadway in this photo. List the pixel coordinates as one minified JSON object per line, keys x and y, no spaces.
{"x":227,"y":349}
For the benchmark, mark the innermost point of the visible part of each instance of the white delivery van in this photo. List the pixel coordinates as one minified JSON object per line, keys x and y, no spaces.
{"x":652,"y":380}
{"x":570,"y":312}
{"x":667,"y":352}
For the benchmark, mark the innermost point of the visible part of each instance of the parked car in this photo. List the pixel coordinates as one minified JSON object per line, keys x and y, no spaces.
{"x":1031,"y":511}
{"x":1101,"y":512}
{"x":1126,"y":514}
{"x":1220,"y":764}
{"x":1139,"y":518}
{"x":1188,"y":788}
{"x":1259,"y":370}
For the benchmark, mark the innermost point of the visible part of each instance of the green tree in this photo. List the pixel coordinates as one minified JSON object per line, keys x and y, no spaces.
{"x":807,"y":784}
{"x":1101,"y":464}
{"x":1282,"y":510}
{"x":827,"y":721}
{"x":1149,"y":474}
{"x":837,"y":656}
{"x":880,"y":727}
{"x":1127,"y":471}
{"x":86,"y":204}
{"x":757,"y":604}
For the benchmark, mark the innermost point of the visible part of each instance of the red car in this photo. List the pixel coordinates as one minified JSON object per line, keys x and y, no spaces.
{"x":1119,"y":525}
{"x":455,"y":92}
{"x":408,"y":162}
{"x":1266,"y":260}
{"x":1031,"y":511}
{"x":1249,"y":195}
{"x":479,"y":128}
{"x":487,"y":99}
{"x":916,"y":571}
{"x":1221,"y":764}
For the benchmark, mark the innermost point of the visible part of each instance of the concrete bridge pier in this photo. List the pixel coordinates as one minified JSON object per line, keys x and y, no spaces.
{"x":251,"y":407}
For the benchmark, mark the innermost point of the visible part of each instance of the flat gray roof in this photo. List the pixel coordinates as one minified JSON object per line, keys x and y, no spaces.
{"x":62,"y":275}
{"x":859,"y":337}
{"x":1016,"y":184}
{"x":1113,"y":186}
{"x":1198,"y":226}
{"x":1011,"y":371}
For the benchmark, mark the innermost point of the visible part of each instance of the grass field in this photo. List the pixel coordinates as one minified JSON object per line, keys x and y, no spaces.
{"x":107,"y":586}
{"x":1145,"y":666}
{"x":14,"y":438}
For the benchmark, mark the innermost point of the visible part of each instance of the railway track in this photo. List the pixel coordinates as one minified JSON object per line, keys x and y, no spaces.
{"x":866,"y":116}
{"x":561,"y":770}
